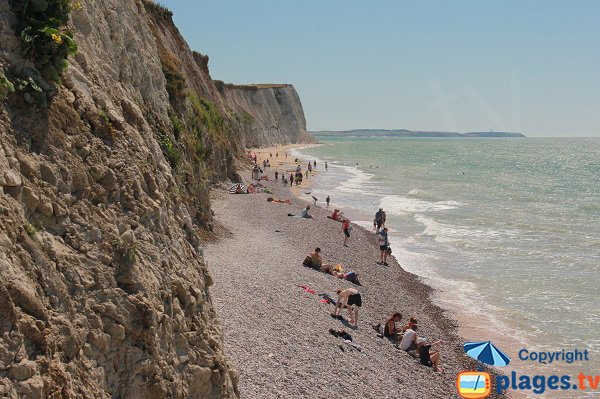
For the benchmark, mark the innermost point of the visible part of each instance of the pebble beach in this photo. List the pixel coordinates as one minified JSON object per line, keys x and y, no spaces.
{"x":276,"y":327}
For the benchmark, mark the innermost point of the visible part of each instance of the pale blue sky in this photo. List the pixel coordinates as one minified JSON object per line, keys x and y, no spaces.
{"x":529,"y":66}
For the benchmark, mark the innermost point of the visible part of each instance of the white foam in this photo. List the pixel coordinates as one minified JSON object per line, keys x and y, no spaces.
{"x":399,"y":205}
{"x":445,"y":233}
{"x":357,"y":183}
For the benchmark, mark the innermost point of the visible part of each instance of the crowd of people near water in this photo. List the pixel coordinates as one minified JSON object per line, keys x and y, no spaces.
{"x":404,"y":337}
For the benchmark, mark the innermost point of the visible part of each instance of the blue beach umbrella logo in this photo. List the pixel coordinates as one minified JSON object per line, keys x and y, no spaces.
{"x":487,"y":353}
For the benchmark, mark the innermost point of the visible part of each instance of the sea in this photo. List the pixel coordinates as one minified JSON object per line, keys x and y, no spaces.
{"x":507,"y":230}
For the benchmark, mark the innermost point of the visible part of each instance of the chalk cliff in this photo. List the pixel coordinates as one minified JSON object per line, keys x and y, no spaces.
{"x":104,"y":181}
{"x":274,"y":113}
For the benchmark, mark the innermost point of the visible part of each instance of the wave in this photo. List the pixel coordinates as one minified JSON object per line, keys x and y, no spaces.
{"x":356,"y":183}
{"x":399,"y":205}
{"x":467,"y":236}
{"x":416,"y":193}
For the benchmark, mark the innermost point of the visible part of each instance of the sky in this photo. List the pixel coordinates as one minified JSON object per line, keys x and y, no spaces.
{"x":460,"y":65}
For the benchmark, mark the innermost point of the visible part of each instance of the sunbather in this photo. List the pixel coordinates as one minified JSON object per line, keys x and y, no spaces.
{"x":429,"y":354}
{"x":279,"y":201}
{"x":314,"y":260}
{"x":304,"y":214}
{"x":338,"y":271}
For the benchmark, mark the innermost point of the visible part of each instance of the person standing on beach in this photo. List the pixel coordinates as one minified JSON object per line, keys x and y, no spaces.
{"x":346,"y":230}
{"x":315,"y":164}
{"x":325,"y":165}
{"x":349,"y":298}
{"x":379,"y":220}
{"x":327,"y":200}
{"x":291,"y":179}
{"x":384,"y":244}
{"x":276,"y":175}
{"x":309,"y":167}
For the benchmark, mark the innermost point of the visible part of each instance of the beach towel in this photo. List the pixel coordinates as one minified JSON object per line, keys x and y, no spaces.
{"x":306,"y":288}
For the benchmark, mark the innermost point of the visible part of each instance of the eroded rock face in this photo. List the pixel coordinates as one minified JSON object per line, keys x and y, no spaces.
{"x":103,"y":289}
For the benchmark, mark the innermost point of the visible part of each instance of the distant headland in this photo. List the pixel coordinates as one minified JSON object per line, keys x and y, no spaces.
{"x":410,"y":133}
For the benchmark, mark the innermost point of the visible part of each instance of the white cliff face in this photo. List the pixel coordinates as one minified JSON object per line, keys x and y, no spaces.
{"x":276,"y":110}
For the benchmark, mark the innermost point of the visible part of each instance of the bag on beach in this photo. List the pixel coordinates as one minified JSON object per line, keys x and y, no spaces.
{"x":389,"y":250}
{"x":307,"y":262}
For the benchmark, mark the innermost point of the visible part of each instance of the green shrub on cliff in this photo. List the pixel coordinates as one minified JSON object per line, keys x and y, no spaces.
{"x":45,"y":38}
{"x":171,"y":68}
{"x":6,"y":86}
{"x":206,"y":112}
{"x":178,"y":126}
{"x":32,"y":92}
{"x":171,"y":152}
{"x":29,"y":229}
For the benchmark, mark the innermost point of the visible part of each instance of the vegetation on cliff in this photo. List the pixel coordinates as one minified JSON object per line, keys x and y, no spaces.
{"x":47,"y":42}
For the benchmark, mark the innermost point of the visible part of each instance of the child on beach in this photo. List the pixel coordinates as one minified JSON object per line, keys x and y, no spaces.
{"x":346,"y":230}
{"x":327,"y":201}
{"x":349,"y":298}
{"x":412,"y":322}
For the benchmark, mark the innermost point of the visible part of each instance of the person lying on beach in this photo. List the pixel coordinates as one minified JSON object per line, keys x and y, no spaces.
{"x":349,"y":298}
{"x":409,"y":339}
{"x":303,"y":215}
{"x":388,"y":329}
{"x":429,"y":354}
{"x":338,"y":271}
{"x":412,"y":322}
{"x":279,"y":201}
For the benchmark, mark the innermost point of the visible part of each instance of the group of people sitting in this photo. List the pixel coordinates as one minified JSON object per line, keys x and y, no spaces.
{"x":314,"y":261}
{"x":428,"y":352}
